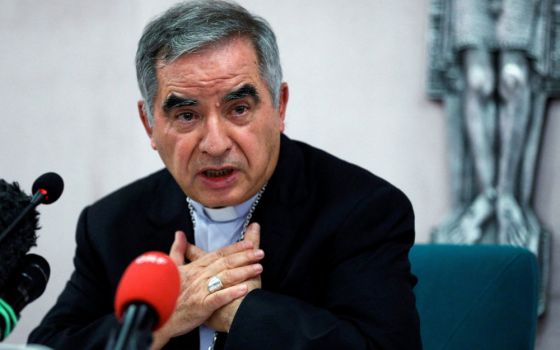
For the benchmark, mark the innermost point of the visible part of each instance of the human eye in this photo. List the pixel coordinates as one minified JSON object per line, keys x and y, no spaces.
{"x":186,"y":116}
{"x":239,"y":111}
{"x":184,"y":120}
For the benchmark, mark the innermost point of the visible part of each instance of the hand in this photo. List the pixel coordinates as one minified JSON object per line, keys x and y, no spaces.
{"x":234,"y":264}
{"x":222,"y":318}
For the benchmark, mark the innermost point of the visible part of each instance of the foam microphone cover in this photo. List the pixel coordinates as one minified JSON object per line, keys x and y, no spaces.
{"x":14,"y":246}
{"x":51,"y":185}
{"x":152,"y":279}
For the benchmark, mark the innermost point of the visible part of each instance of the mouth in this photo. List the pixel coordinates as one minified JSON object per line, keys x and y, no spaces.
{"x":212,"y":173}
{"x":217,"y":173}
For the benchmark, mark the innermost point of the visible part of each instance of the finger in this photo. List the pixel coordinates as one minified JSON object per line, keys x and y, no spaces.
{"x":240,"y":274}
{"x":253,"y":234}
{"x":193,"y":252}
{"x":177,"y":251}
{"x":244,"y":258}
{"x":211,"y":257}
{"x":225,"y":296}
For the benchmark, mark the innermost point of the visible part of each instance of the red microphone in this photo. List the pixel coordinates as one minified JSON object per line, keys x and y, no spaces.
{"x":145,"y":299}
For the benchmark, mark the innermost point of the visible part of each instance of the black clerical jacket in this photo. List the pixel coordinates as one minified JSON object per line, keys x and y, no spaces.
{"x":336,"y":270}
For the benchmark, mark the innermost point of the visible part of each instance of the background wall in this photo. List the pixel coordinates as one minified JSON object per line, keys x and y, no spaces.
{"x":356,"y":72}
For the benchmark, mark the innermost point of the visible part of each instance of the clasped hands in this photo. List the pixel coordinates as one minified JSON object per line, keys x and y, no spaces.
{"x":237,"y":267}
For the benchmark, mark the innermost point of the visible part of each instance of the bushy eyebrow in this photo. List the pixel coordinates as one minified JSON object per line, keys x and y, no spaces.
{"x":247,"y":90}
{"x":174,"y":101}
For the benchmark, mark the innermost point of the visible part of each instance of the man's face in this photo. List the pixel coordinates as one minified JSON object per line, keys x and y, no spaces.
{"x":215,"y":125}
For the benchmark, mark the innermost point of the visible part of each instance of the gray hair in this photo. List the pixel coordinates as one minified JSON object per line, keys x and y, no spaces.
{"x":189,"y":26}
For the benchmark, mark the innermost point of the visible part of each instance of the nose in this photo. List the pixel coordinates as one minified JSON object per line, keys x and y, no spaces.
{"x":215,"y":140}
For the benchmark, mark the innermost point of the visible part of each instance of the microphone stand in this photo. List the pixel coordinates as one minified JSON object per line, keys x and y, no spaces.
{"x":135,"y":333}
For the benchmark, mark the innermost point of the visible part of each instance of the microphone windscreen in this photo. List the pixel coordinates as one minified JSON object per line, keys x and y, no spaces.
{"x":152,"y":279}
{"x":51,"y":185}
{"x":37,"y":270}
{"x":27,"y":283}
{"x":14,"y":246}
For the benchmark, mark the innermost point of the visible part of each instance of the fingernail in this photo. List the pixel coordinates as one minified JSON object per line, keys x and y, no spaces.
{"x":242,"y":289}
{"x":259,"y":253}
{"x":258,"y":267}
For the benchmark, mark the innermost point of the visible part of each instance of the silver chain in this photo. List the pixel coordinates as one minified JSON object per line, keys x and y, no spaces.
{"x":241,"y":237}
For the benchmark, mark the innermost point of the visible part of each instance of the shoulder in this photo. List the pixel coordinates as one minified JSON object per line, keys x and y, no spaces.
{"x":342,"y":180}
{"x":135,"y":194}
{"x":345,"y":206}
{"x":137,"y":207}
{"x":118,"y":227}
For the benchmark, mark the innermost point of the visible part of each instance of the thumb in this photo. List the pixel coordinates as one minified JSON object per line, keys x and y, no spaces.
{"x":253,"y":234}
{"x":178,"y":248}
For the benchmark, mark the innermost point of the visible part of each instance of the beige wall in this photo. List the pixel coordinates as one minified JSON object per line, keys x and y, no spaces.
{"x":356,"y":71}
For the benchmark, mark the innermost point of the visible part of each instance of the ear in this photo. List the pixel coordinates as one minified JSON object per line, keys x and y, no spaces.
{"x":146,"y":122}
{"x":283,"y":105}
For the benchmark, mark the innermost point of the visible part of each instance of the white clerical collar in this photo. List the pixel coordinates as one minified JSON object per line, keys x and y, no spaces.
{"x":224,"y":214}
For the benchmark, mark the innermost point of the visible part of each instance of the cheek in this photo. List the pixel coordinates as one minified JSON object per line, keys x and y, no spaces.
{"x":183,"y":149}
{"x":267,"y":142}
{"x":173,"y":149}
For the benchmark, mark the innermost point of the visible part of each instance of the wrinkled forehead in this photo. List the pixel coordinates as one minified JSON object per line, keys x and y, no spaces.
{"x":168,"y":54}
{"x":233,"y":56}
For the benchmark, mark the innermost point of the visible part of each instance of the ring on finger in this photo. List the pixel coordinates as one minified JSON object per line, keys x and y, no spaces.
{"x":214,"y":284}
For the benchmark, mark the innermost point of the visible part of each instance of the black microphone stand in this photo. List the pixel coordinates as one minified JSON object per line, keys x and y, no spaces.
{"x":135,"y":332}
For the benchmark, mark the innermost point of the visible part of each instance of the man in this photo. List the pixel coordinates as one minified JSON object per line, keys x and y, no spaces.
{"x":324,"y":263}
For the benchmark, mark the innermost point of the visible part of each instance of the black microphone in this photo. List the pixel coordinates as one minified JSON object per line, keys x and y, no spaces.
{"x":46,"y":189}
{"x":25,"y":285}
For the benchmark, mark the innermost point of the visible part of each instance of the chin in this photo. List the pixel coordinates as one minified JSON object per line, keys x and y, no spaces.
{"x":222,"y":198}
{"x":217,"y":201}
